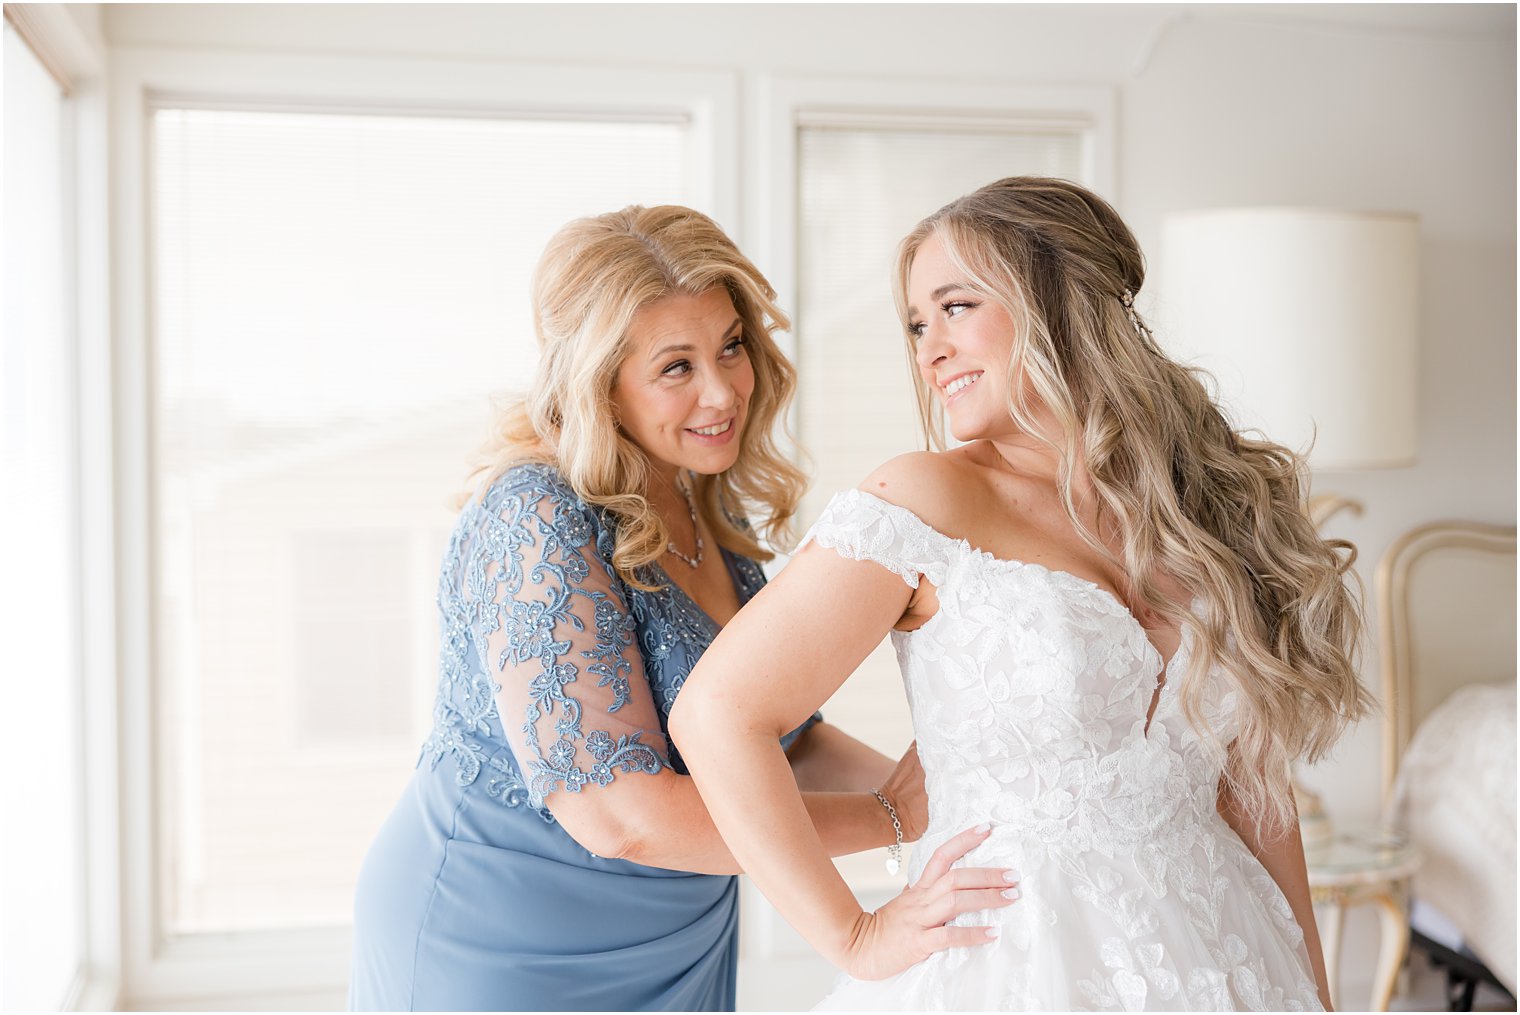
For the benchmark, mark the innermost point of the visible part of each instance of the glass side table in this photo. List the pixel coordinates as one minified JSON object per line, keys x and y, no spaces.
{"x":1356,"y":867}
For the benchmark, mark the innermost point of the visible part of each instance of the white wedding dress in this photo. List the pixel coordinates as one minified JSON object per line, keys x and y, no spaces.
{"x":1029,"y":691}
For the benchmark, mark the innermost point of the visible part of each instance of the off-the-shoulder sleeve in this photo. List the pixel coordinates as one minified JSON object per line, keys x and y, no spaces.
{"x":861,"y":526}
{"x":552,"y":626}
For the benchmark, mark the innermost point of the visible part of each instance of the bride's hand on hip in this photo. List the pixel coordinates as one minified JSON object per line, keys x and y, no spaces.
{"x":905,"y":789}
{"x":912,"y":926}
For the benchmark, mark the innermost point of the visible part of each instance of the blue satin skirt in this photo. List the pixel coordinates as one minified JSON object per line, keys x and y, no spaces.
{"x":464,"y":904}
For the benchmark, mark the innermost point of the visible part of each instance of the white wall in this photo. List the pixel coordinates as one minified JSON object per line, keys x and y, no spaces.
{"x":1391,"y":107}
{"x":1240,"y":113}
{"x":91,"y":23}
{"x":1234,"y":113}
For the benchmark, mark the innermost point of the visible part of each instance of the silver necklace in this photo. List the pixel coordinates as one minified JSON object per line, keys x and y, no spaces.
{"x":691,"y":507}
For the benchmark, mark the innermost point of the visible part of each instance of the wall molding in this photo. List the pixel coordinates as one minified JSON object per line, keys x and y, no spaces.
{"x":65,"y":49}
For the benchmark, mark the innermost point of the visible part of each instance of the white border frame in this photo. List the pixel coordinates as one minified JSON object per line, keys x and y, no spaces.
{"x":779,"y":104}
{"x":78,"y":59}
{"x":99,"y":652}
{"x":297,"y":965}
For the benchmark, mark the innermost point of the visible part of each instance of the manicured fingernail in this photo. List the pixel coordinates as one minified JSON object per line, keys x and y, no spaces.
{"x":1011,"y":893}
{"x":983,"y":828}
{"x":993,"y":933}
{"x":1012,"y":877}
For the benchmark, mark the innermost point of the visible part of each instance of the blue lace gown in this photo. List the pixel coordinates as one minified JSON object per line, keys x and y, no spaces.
{"x":472,"y":897}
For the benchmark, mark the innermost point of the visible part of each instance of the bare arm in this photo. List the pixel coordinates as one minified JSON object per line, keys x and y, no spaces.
{"x":782,"y":657}
{"x":552,"y":622}
{"x":827,"y":758}
{"x":660,"y":821}
{"x":1283,"y":858}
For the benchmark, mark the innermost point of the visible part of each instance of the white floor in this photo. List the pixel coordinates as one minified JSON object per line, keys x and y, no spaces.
{"x":797,"y":984}
{"x":1426,"y":993}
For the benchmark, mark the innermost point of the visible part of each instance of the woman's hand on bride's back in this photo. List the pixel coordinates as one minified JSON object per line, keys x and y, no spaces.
{"x":905,"y":789}
{"x":912,"y":926}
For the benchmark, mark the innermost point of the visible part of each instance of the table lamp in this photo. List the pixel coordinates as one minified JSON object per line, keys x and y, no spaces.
{"x":1309,"y":321}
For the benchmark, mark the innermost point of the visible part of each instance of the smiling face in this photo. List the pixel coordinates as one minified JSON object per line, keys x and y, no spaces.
{"x":962,"y":342}
{"x":683,"y":389}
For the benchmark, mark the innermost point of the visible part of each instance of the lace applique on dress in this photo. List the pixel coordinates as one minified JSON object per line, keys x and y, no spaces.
{"x":862,"y":527}
{"x":532,"y":613}
{"x":536,"y":621}
{"x":1029,"y":691}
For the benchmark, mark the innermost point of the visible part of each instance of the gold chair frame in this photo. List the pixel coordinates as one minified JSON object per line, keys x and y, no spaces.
{"x":1395,"y":643}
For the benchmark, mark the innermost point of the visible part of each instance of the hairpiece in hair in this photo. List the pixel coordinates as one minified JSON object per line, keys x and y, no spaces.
{"x":1127,"y":297}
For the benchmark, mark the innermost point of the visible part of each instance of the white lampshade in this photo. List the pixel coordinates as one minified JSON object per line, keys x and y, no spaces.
{"x":1309,"y":321}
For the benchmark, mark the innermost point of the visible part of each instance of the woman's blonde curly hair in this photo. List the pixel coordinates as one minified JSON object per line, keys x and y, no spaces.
{"x":594,"y":276}
{"x":1190,"y":497}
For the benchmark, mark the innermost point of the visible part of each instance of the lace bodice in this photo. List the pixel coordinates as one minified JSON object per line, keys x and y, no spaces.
{"x":1036,"y":680}
{"x":537,"y":626}
{"x":1029,"y":690}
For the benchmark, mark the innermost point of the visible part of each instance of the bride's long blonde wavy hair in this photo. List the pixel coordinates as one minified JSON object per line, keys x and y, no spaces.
{"x":593,"y":278}
{"x":1188,"y":496}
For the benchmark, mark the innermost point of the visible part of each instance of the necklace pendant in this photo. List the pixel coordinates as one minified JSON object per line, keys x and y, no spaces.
{"x":691,"y":509}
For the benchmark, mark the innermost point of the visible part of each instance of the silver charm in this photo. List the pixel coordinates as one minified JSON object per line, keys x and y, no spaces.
{"x":894,"y":851}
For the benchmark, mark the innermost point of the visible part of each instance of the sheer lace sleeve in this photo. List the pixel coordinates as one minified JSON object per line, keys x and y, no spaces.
{"x":551,"y":624}
{"x":864,"y":527}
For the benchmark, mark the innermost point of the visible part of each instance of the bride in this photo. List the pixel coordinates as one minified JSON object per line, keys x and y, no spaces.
{"x":1116,"y":625}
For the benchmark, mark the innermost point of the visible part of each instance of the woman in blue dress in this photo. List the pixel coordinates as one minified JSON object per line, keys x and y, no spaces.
{"x":552,"y":852}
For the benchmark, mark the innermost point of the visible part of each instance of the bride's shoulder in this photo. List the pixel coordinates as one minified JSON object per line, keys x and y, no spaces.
{"x":934,"y":485}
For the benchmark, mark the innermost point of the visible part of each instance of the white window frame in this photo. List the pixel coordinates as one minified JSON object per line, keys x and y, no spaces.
{"x":297,"y":966}
{"x":79,"y":62}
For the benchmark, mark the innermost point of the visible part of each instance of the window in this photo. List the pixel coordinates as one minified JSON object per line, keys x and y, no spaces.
{"x":335,"y":284}
{"x":42,"y":877}
{"x":337,"y":296}
{"x":861,"y":189}
{"x":357,"y":643}
{"x":862,"y":185}
{"x":845,"y":169}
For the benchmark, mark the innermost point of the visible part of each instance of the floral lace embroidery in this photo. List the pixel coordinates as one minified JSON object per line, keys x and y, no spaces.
{"x":1029,"y":690}
{"x":526,"y":587}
